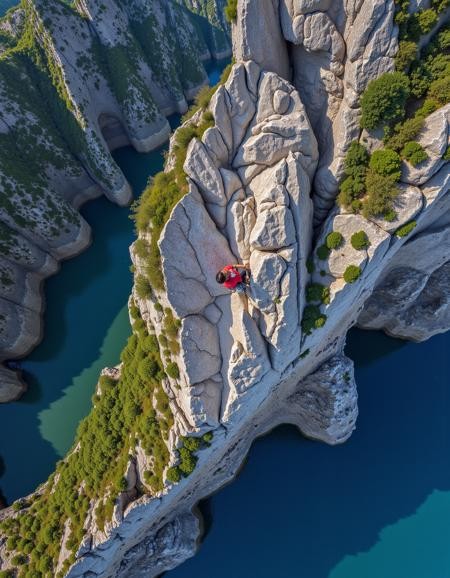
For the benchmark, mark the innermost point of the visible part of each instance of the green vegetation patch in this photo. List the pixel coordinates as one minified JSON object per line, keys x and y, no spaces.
{"x":414,"y":153}
{"x":384,"y":100}
{"x":334,"y":240}
{"x":316,"y":292}
{"x":386,"y":162}
{"x":312,"y":319}
{"x":406,"y":229}
{"x":352,"y":273}
{"x":360,"y":240}
{"x":134,"y":409}
{"x":153,"y":209}
{"x":323,"y":252}
{"x":231,"y":10}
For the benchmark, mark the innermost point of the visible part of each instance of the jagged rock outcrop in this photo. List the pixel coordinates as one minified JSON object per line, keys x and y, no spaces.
{"x":76,"y":82}
{"x":257,"y":182}
{"x":330,"y":51}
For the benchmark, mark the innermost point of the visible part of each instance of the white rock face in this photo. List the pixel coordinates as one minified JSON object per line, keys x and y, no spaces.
{"x":249,"y":361}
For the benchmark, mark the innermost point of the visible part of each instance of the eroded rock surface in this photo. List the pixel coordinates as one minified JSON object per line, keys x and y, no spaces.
{"x":93,"y":78}
{"x":258,"y":181}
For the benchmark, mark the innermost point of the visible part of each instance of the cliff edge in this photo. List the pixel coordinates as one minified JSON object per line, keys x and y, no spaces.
{"x":77,"y":82}
{"x":284,"y":168}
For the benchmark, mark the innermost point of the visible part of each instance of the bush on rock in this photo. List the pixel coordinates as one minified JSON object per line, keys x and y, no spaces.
{"x":360,"y":240}
{"x":384,"y":100}
{"x":352,"y":273}
{"x":414,"y":153}
{"x":334,"y":240}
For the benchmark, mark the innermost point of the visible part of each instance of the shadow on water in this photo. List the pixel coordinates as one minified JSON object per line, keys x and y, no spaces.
{"x":299,"y":507}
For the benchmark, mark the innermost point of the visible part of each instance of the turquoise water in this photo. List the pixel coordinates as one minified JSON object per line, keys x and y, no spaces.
{"x":5,"y":5}
{"x":375,"y":507}
{"x":85,"y":328}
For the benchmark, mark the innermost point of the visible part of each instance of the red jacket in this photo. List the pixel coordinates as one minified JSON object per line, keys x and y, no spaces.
{"x":234,"y":278}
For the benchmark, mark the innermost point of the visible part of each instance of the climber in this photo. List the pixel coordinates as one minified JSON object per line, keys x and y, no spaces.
{"x":232,"y":279}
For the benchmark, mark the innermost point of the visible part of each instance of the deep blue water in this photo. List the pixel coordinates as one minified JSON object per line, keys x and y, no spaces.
{"x":376,"y":507}
{"x":5,"y":5}
{"x":301,"y":509}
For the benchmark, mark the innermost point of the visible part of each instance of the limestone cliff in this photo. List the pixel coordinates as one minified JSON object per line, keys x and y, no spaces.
{"x":262,"y":168}
{"x":75,"y":83}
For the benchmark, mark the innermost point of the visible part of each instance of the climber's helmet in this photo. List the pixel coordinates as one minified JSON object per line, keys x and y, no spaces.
{"x":221,"y":277}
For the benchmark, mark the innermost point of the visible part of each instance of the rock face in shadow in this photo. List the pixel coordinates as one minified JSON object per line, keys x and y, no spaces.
{"x":92,"y":77}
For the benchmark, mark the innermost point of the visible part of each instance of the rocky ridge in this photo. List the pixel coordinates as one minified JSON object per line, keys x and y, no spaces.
{"x":96,"y":77}
{"x":247,"y":366}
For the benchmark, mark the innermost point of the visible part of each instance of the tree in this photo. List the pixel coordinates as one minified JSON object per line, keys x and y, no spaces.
{"x":384,"y":100}
{"x":386,"y":162}
{"x":440,"y":90}
{"x":360,"y":240}
{"x":381,"y":192}
{"x":334,"y":240}
{"x":407,"y":53}
{"x":352,"y":273}
{"x":414,"y":153}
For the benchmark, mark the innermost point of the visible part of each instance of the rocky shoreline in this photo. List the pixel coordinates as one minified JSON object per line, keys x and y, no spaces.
{"x":31,"y":254}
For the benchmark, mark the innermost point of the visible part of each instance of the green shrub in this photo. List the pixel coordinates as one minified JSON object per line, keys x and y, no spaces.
{"x":381,"y":192}
{"x":440,"y":90}
{"x":384,"y":100}
{"x":414,"y":153}
{"x":6,"y":573}
{"x":334,"y":240}
{"x":352,"y":273}
{"x":360,"y":240}
{"x":316,"y":292}
{"x":193,"y":444}
{"x":188,"y":461}
{"x":231,"y":10}
{"x":172,"y":370}
{"x":426,"y":19}
{"x":357,"y":156}
{"x":386,"y":162}
{"x":446,"y":156}
{"x":148,"y":368}
{"x":141,"y":248}
{"x":312,"y":319}
{"x":11,"y":543}
{"x":323,"y":252}
{"x":208,"y":437}
{"x":407,"y":53}
{"x":18,"y":560}
{"x":404,"y":133}
{"x":356,"y":162}
{"x":174,"y":474}
{"x":406,"y":229}
{"x":310,"y":265}
{"x":143,"y":287}
{"x":150,"y":344}
{"x":427,"y":108}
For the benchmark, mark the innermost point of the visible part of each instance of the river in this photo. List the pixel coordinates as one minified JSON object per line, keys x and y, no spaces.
{"x":375,"y":507}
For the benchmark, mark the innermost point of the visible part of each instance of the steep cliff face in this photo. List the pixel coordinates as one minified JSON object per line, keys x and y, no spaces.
{"x":76,"y":82}
{"x":245,"y":181}
{"x":331,"y":50}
